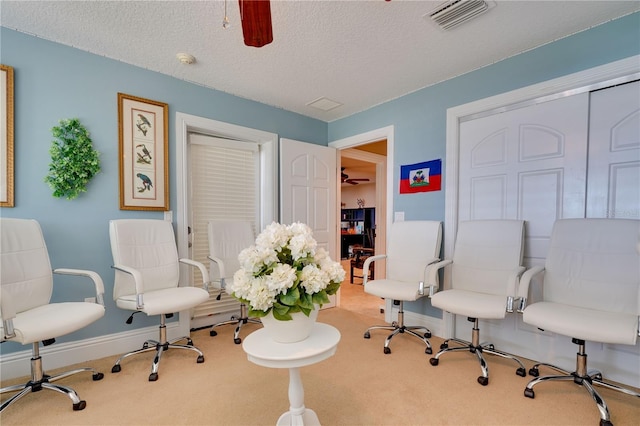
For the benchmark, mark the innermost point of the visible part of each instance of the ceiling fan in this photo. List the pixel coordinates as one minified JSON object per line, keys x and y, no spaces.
{"x":345,"y":178}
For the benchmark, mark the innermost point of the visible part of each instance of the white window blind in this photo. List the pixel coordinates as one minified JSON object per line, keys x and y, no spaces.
{"x":224,"y":185}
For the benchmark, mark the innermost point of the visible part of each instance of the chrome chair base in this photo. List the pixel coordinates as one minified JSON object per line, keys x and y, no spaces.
{"x":40,"y":381}
{"x":582,"y":376}
{"x":479,"y":349}
{"x":238,"y":322}
{"x":160,"y":347}
{"x":398,"y":327}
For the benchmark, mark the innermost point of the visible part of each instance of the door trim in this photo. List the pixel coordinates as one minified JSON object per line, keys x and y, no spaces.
{"x":185,"y":124}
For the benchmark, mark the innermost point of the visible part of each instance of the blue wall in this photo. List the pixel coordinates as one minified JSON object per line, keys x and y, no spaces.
{"x":53,"y":82}
{"x":419,"y":119}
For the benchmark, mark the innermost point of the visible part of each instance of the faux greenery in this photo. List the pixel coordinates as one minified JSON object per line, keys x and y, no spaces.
{"x":73,"y":160}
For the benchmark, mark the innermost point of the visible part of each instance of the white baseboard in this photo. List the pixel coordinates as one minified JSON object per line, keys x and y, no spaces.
{"x":17,"y":364}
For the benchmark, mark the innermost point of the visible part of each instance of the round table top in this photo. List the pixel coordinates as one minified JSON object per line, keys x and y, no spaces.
{"x":262,"y":350}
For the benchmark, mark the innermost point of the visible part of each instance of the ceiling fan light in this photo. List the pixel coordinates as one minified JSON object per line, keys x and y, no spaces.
{"x":256,"y":22}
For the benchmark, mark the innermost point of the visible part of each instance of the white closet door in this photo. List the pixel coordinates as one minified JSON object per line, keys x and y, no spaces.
{"x":528,"y":163}
{"x":614,"y":191}
{"x":614,"y":153}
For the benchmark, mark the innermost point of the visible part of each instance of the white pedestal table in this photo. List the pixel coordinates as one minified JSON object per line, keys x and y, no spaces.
{"x":262,"y":350}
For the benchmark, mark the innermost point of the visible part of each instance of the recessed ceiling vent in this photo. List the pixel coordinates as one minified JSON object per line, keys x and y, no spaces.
{"x":456,"y":12}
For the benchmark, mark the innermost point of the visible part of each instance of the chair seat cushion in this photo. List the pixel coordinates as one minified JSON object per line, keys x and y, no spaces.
{"x":581,"y":323}
{"x":471,"y":303}
{"x":54,"y":320}
{"x":166,"y":301}
{"x":396,"y":290}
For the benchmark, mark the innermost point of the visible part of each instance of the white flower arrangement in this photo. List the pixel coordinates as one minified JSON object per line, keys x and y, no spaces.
{"x":285,"y":272}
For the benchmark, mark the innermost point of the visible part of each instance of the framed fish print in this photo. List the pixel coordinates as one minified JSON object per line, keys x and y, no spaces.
{"x":143,"y":127}
{"x":6,"y":136}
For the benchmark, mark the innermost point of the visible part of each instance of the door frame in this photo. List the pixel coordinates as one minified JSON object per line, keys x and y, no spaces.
{"x":185,"y":124}
{"x":384,"y":175}
{"x":613,"y":73}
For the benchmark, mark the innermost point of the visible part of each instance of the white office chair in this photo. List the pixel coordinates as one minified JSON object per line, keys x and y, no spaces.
{"x":413,"y":246}
{"x":147,"y":280}
{"x":591,"y":292}
{"x":226,"y":240}
{"x":486,"y":266}
{"x":28,"y":316}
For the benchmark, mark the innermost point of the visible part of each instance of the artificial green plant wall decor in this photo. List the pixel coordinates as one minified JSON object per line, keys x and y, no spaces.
{"x":73,"y":160}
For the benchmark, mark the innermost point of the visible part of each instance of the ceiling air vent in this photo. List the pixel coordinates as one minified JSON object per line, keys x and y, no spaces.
{"x":456,"y":12}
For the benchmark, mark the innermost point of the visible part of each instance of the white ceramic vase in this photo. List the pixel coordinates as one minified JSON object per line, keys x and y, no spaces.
{"x":291,"y":331}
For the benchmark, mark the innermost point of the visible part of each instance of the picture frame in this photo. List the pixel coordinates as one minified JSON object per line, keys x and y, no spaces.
{"x":6,"y":137}
{"x":143,"y":127}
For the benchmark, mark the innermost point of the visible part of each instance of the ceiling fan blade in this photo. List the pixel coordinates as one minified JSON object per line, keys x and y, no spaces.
{"x":256,"y":22}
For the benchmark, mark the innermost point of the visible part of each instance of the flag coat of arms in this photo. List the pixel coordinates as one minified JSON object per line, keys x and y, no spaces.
{"x":421,"y":177}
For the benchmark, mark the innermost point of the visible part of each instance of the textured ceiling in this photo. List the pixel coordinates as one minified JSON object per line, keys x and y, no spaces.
{"x":357,"y":53}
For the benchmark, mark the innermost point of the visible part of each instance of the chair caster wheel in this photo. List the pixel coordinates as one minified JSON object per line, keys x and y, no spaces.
{"x":79,"y":406}
{"x":387,"y":350}
{"x":534,"y":372}
{"x":605,"y":423}
{"x":484,"y":381}
{"x":427,"y":335}
{"x":145,"y":345}
{"x":189,"y":342}
{"x":367,"y":335}
{"x":153,"y":377}
{"x":428,"y":351}
{"x":213,"y":333}
{"x":434,"y":361}
{"x":98,"y":376}
{"x":521,"y":372}
{"x":444,"y":346}
{"x":529,"y":393}
{"x":237,"y":340}
{"x":200,"y":359}
{"x":116,"y":368}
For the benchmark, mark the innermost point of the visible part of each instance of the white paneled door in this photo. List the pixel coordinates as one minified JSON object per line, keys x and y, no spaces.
{"x":574,"y":156}
{"x":308,"y":191}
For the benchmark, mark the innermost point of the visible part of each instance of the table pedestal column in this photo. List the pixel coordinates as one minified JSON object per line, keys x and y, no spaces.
{"x":297,"y":415}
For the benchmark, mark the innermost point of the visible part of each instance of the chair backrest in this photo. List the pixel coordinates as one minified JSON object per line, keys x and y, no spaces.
{"x":226,"y":240}
{"x":485,"y":255}
{"x":594,"y":264}
{"x":25,"y":273}
{"x":149,"y":246}
{"x":411,"y":245}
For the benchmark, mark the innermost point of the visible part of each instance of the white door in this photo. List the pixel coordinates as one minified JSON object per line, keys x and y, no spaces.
{"x":308,"y":191}
{"x":614,"y":153}
{"x":577,"y":156}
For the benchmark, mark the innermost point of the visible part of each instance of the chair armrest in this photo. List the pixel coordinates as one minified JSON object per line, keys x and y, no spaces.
{"x":203,"y":271}
{"x":367,"y":263}
{"x":94,"y":276}
{"x":523,"y":286}
{"x":512,"y":286}
{"x":137,"y":279}
{"x":221,"y":268}
{"x":431,"y":274}
{"x":8,"y":314}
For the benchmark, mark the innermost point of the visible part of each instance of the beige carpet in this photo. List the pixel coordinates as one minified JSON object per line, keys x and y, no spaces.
{"x":358,"y":386}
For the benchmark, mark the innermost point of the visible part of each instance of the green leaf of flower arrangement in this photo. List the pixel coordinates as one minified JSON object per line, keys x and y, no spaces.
{"x":291,"y":297}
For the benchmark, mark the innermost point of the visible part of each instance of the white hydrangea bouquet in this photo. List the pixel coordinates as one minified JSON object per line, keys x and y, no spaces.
{"x":285,"y":272}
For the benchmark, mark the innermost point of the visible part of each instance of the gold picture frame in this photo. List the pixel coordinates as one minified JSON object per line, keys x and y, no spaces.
{"x":143,"y":127}
{"x":6,"y":137}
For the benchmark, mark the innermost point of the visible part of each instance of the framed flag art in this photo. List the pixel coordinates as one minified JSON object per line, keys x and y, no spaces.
{"x":421,"y":177}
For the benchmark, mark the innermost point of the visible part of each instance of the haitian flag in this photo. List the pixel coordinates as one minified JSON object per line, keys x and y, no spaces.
{"x":421,"y":177}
